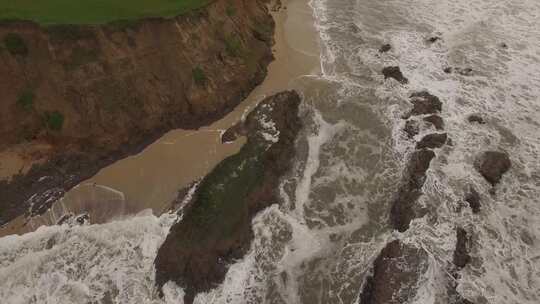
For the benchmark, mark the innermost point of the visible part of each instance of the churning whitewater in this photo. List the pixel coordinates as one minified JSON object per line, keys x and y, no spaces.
{"x":478,"y":56}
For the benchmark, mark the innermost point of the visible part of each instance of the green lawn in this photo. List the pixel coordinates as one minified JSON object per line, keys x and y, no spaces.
{"x":93,"y":11}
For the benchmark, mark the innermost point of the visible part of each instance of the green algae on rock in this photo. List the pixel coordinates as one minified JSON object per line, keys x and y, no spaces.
{"x":216,"y":226}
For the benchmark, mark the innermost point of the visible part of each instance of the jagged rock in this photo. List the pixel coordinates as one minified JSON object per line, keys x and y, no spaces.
{"x":425,"y":103}
{"x":385,"y":48}
{"x":433,"y":39}
{"x":403,"y":210}
{"x":216,"y":226}
{"x":233,"y":133}
{"x":411,"y":128}
{"x":461,"y":253}
{"x":473,"y":198}
{"x":432,"y":141}
{"x":476,"y":118}
{"x":492,"y":165}
{"x":436,"y":121}
{"x":394,"y":72}
{"x":395,"y":275}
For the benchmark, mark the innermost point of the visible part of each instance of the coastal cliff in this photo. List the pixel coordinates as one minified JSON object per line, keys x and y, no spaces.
{"x":77,"y":98}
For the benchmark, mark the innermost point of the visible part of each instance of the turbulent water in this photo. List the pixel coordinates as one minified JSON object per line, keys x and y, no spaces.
{"x":318,"y":246}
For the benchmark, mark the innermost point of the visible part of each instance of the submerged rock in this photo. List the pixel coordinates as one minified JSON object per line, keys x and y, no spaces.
{"x":395,"y":275}
{"x":432,"y":141}
{"x":476,"y":118}
{"x":425,"y":103}
{"x":403,"y":210}
{"x":433,"y":39}
{"x":394,"y":72}
{"x":216,"y":227}
{"x":436,"y":121}
{"x":492,"y":165}
{"x":473,"y":199}
{"x":385,"y":48}
{"x":461,"y":253}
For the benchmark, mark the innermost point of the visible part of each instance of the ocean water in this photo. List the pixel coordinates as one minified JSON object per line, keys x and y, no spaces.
{"x":318,"y":246}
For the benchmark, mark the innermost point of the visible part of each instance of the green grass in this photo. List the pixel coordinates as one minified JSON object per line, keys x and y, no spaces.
{"x":54,"y":120}
{"x":199,"y":77}
{"x":93,"y":11}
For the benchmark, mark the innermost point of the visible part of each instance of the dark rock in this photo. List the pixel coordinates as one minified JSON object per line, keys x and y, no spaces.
{"x":476,"y":118}
{"x":216,"y":227}
{"x":461,"y":253}
{"x":433,"y":39}
{"x":473,"y":198}
{"x":394,"y":72}
{"x":436,"y":121}
{"x":432,"y":141}
{"x":233,"y":133}
{"x":425,"y":103}
{"x":385,"y":48}
{"x":395,"y":275}
{"x":411,"y":128}
{"x":492,"y":165}
{"x":403,"y":210}
{"x":504,"y":45}
{"x":447,"y":70}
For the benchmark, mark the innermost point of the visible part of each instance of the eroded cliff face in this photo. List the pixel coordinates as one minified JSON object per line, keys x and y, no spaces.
{"x":76,"y":98}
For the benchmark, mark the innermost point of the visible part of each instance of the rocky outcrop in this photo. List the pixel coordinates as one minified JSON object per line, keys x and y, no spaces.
{"x":395,"y":73}
{"x":425,"y":103}
{"x":403,"y":210}
{"x":432,"y":141}
{"x":216,"y":228}
{"x":473,"y":199}
{"x":461,"y":253}
{"x":492,"y":165}
{"x":476,"y":118}
{"x":385,"y":48}
{"x":412,"y":128}
{"x":94,"y":94}
{"x":395,"y":275}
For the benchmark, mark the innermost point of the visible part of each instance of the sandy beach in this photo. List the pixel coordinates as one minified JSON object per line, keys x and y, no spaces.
{"x":152,"y":179}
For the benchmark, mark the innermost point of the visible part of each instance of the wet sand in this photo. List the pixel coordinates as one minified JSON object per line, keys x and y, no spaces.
{"x":152,"y":179}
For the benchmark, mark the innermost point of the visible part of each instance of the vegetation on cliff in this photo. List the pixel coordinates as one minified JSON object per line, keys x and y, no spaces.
{"x":94,"y":11}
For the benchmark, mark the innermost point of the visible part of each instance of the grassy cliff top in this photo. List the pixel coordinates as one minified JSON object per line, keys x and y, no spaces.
{"x":93,"y":11}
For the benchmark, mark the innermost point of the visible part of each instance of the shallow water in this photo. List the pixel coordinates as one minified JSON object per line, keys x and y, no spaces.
{"x":319,"y":244}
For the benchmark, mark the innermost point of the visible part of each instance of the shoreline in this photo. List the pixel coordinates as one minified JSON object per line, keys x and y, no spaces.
{"x":151,"y":179}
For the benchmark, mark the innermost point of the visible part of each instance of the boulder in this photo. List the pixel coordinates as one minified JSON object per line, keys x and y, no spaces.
{"x":395,"y":275}
{"x":473,"y":199}
{"x":385,"y":48}
{"x":425,"y":103}
{"x":432,"y":141}
{"x":461,"y":253}
{"x":394,"y":72}
{"x":403,"y":209}
{"x":476,"y":118}
{"x":492,"y":165}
